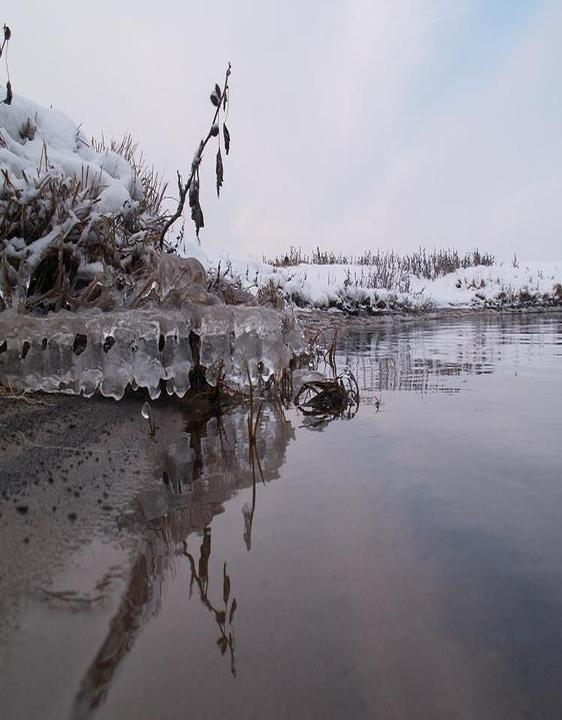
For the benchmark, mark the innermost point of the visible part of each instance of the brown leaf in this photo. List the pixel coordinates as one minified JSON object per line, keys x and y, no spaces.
{"x":225,"y":585}
{"x":194,"y":193}
{"x":196,"y":212}
{"x":220,"y":173}
{"x":232,"y":610}
{"x":226,"y":136}
{"x":197,"y":217}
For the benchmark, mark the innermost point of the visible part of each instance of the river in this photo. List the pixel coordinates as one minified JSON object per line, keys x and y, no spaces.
{"x":402,"y":561}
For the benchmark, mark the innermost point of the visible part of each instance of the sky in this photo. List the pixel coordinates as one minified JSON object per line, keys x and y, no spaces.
{"x":355,"y":123}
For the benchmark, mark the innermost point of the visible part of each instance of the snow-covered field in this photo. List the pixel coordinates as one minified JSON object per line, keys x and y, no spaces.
{"x":350,"y":286}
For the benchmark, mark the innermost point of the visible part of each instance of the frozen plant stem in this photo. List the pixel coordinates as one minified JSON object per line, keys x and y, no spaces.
{"x":193,"y":179}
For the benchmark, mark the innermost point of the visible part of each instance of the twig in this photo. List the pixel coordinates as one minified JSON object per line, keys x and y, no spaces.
{"x":184,"y":188}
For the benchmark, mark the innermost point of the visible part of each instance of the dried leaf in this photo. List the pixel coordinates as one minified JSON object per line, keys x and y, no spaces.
{"x":7,"y":33}
{"x":222,"y":642}
{"x":9,"y":95}
{"x":215,"y":99}
{"x":194,"y":193}
{"x":217,"y":90}
{"x":232,"y":610}
{"x":197,"y":217}
{"x":215,"y":130}
{"x":220,"y":173}
{"x":224,"y":100}
{"x":226,"y":136}
{"x":196,"y":212}
{"x":220,"y":617}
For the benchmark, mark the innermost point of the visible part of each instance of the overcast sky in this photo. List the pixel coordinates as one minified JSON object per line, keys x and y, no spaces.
{"x":354,"y":123}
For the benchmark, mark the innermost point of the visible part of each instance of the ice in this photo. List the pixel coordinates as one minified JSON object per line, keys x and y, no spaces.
{"x":148,"y":330}
{"x":149,"y":348}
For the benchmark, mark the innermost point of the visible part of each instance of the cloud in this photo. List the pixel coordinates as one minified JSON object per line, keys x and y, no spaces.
{"x":487,"y":171}
{"x":327,"y":146}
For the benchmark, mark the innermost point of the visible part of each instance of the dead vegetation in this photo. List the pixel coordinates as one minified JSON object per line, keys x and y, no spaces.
{"x":58,"y":249}
{"x":383,"y":269}
{"x":331,"y":397}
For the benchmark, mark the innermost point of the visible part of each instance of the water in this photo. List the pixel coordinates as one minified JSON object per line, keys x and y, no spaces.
{"x":401,"y":563}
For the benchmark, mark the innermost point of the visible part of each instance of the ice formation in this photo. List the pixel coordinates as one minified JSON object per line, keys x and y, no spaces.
{"x":132,"y":316}
{"x":80,"y":353}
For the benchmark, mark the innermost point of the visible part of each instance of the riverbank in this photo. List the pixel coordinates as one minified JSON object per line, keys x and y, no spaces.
{"x":388,"y":286}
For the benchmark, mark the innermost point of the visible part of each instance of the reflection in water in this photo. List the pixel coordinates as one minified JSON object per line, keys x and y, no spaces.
{"x":433,"y":356}
{"x":225,"y":615}
{"x":211,"y":461}
{"x":432,"y":598}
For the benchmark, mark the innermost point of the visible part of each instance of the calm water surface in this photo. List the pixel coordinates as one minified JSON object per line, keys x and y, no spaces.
{"x":404,"y":563}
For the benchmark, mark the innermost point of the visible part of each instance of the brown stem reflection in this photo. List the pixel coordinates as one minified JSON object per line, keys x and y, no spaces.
{"x":247,"y":510}
{"x":223,"y":616}
{"x":197,"y":473}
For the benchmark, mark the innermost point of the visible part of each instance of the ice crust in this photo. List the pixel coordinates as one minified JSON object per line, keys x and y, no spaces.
{"x":80,"y":353}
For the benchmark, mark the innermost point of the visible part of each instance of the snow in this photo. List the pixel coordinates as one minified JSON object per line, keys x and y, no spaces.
{"x":349,"y":286}
{"x":57,"y":144}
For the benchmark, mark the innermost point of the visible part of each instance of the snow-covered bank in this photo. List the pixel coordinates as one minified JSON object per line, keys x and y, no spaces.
{"x":90,"y":298}
{"x":351,"y":287}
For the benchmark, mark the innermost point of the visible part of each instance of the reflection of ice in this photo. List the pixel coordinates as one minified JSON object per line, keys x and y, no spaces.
{"x":199,"y":472}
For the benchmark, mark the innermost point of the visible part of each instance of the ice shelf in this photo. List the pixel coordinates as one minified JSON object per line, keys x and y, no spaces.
{"x":89,"y":351}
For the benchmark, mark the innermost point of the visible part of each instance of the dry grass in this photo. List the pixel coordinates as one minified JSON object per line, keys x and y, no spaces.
{"x":64,"y":211}
{"x":387,"y":269}
{"x":333,"y":397}
{"x":153,"y":185}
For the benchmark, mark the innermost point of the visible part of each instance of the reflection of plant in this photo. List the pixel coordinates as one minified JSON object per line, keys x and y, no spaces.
{"x":248,"y":511}
{"x":225,"y":615}
{"x":252,"y":423}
